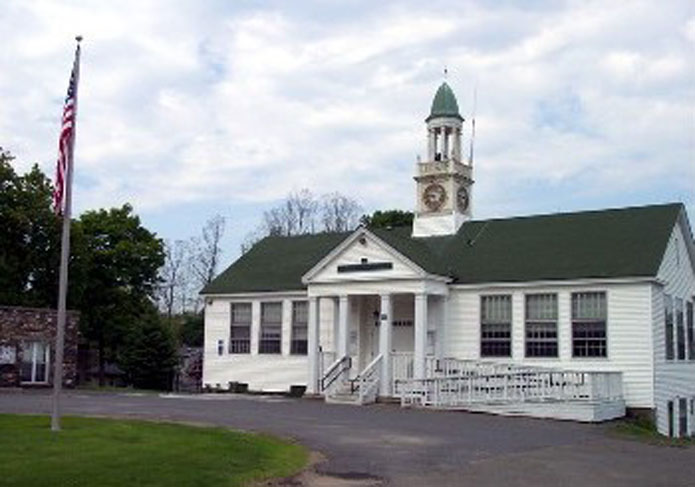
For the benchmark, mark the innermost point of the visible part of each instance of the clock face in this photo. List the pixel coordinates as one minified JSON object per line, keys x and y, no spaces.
{"x":462,"y":199}
{"x":434,"y":196}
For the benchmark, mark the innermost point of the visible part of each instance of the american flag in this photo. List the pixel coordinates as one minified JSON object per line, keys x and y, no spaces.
{"x":65,"y":142}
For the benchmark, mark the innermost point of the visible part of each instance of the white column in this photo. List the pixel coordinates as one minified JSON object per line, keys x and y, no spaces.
{"x":286,"y":334}
{"x":313,"y":346}
{"x":457,"y":144}
{"x":420,"y":335}
{"x":255,"y":325}
{"x":442,"y":324}
{"x":343,"y":331}
{"x":430,"y":145}
{"x":385,"y":343}
{"x":445,"y":144}
{"x":336,"y":326}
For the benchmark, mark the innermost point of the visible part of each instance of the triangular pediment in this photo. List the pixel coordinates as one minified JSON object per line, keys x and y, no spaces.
{"x":363,"y":256}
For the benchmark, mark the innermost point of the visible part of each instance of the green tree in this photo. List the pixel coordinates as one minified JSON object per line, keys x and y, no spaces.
{"x":192,"y":329}
{"x":30,"y":240}
{"x":148,"y":355}
{"x":121,"y":263}
{"x":388,"y":218}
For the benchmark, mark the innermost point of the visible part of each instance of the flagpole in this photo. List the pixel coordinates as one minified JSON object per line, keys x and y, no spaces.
{"x":64,"y":260}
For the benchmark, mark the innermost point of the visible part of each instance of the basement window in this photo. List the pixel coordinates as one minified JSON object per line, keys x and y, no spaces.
{"x":496,"y":326}
{"x":589,"y":315}
{"x":682,"y":417}
{"x":541,"y":325}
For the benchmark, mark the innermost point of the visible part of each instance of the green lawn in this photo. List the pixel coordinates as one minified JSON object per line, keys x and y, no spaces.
{"x":106,"y":453}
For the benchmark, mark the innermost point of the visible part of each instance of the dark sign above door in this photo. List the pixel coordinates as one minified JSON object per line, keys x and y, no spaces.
{"x":365,"y":266}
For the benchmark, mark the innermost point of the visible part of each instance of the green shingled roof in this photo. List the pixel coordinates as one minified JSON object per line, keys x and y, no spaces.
{"x":275,"y":264}
{"x":627,"y":242}
{"x":444,"y":104}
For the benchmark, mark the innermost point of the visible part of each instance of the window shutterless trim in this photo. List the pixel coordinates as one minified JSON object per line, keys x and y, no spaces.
{"x":499,"y":342}
{"x":588,"y":322}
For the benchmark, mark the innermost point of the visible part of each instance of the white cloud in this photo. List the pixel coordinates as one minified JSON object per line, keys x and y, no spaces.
{"x":221,"y":104}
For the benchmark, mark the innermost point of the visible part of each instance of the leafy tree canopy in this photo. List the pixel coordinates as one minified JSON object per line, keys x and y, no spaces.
{"x":30,"y":240}
{"x":388,"y":218}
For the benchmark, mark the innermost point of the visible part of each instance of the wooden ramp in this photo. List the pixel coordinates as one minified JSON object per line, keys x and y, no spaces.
{"x":510,"y":389}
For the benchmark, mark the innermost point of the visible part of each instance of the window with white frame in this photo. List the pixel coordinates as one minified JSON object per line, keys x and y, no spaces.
{"x":271,"y":328}
{"x":668,"y":326}
{"x":589,"y":316}
{"x":541,"y":325}
{"x":34,"y":365}
{"x":300,"y":321}
{"x":220,"y":347}
{"x":691,"y":331}
{"x":240,"y":328}
{"x":496,"y":326}
{"x":680,"y":329}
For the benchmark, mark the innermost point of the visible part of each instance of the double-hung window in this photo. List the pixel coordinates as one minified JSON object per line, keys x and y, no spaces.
{"x":34,"y":365}
{"x":240,"y":329}
{"x":668,"y":326}
{"x":300,"y":320}
{"x":271,"y":328}
{"x":680,"y":329}
{"x":541,"y":325}
{"x":496,"y":326}
{"x":589,"y":315}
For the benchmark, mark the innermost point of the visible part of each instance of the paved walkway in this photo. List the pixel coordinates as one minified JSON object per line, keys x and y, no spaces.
{"x":387,"y":445}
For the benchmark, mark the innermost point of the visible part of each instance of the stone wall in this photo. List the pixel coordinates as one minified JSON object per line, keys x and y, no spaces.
{"x":19,"y":326}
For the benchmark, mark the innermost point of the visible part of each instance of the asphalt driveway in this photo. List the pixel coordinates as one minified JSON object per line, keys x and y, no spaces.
{"x":384,"y":444}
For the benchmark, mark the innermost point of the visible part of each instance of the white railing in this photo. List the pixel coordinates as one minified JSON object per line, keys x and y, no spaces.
{"x":368,"y":381}
{"x":401,"y":369}
{"x":326,"y":359}
{"x":512,"y":387}
{"x":334,"y":374}
{"x":453,"y":367}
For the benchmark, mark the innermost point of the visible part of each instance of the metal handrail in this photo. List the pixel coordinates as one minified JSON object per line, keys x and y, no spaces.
{"x":335,"y":371}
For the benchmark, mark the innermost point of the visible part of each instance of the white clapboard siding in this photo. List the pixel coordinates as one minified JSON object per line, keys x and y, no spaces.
{"x":673,"y":379}
{"x":261,"y":372}
{"x":372,"y":250}
{"x":628,"y":327}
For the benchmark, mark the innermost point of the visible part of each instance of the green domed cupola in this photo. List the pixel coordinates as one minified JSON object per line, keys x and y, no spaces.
{"x":444,"y":104}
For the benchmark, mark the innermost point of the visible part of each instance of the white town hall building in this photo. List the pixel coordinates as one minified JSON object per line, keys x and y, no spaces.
{"x":572,"y":315}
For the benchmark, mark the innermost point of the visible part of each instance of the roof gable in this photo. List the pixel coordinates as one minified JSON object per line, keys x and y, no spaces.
{"x":363,"y":256}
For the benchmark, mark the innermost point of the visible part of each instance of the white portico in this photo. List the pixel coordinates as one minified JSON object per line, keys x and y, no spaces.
{"x":381,"y":305}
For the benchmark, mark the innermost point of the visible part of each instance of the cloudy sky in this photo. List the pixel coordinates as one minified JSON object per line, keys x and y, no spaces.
{"x":192,"y":108}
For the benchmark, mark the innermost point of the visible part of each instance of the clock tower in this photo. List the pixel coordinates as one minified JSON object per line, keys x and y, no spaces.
{"x":444,"y":179}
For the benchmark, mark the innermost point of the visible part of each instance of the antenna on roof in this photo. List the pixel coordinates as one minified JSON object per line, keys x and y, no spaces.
{"x":446,"y":73}
{"x":475,"y":106}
